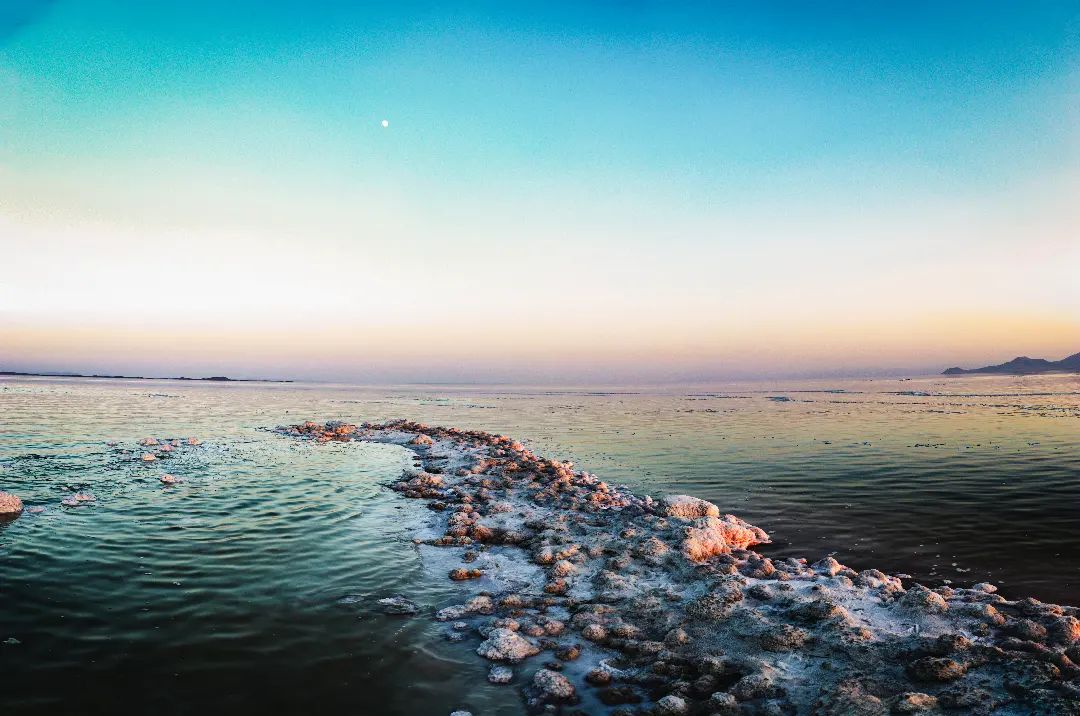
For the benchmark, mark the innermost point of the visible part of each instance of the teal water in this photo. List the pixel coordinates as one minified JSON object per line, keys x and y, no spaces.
{"x":250,"y":587}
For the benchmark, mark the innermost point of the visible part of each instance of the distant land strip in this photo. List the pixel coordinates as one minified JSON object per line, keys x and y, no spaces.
{"x":216,"y":378}
{"x":1023,"y":365}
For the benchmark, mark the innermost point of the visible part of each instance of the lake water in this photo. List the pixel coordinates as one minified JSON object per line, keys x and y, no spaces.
{"x":250,"y":587}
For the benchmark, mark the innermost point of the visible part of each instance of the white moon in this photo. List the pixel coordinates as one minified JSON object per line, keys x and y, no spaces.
{"x":386,"y":123}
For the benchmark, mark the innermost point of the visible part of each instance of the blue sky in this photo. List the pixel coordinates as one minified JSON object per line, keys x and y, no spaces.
{"x":737,"y":99}
{"x":710,"y":190}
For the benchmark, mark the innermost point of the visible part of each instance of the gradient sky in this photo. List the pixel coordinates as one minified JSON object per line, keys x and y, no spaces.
{"x":580,"y":191}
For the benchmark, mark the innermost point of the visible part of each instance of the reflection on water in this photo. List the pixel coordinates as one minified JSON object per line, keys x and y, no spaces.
{"x":252,"y":584}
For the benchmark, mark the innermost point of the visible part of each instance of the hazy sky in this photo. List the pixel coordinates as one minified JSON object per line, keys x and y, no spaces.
{"x":600,"y":191}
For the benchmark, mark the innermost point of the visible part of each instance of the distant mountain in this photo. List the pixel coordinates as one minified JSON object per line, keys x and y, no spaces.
{"x":1025,"y":366}
{"x":218,"y":378}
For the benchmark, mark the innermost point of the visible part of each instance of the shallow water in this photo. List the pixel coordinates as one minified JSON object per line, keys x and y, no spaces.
{"x":251,"y":586}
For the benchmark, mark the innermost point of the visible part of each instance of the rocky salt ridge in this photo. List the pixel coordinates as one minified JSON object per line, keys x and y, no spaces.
{"x":602,"y":601}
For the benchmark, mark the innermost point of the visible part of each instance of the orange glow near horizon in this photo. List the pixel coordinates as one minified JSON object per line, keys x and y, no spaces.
{"x":691,"y":350}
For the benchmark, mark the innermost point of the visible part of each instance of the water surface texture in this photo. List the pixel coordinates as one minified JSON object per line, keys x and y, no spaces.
{"x":251,"y":586}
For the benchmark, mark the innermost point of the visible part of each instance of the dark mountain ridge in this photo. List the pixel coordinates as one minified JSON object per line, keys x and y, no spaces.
{"x":1025,"y":366}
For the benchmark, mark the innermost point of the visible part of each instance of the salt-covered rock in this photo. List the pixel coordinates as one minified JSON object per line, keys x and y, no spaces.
{"x":828,"y":566}
{"x":500,"y":675}
{"x":563,"y":568}
{"x":10,"y":504}
{"x":823,"y":608}
{"x":688,"y":508}
{"x":598,"y":677}
{"x":919,"y":599}
{"x":568,"y":653}
{"x":711,"y":536}
{"x":753,"y":686}
{"x":1065,"y":630}
{"x":987,"y":613}
{"x":461,"y":574}
{"x":932,"y":668}
{"x":506,"y":645}
{"x":652,"y":549}
{"x":545,"y":555}
{"x":676,"y":637}
{"x":1027,"y":629}
{"x":851,"y":698}
{"x":481,"y":604}
{"x":553,"y":686}
{"x":784,"y":637}
{"x":875,"y":578}
{"x":914,"y":702}
{"x":951,"y":644}
{"x":722,"y":703}
{"x":718,"y":603}
{"x":552,"y":627}
{"x":671,"y":705}
{"x":453,"y":613}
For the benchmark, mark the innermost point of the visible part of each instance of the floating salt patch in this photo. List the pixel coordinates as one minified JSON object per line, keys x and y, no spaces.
{"x":398,"y":604}
{"x":169,"y":479}
{"x":149,"y":457}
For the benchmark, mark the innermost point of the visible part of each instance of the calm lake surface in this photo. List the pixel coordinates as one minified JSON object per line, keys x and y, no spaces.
{"x":251,"y":586}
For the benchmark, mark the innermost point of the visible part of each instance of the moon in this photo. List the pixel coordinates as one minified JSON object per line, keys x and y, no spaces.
{"x":386,"y":123}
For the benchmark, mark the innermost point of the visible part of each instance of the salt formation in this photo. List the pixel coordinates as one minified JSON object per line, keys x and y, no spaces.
{"x":10,"y":505}
{"x":398,"y":604}
{"x":638,"y":606}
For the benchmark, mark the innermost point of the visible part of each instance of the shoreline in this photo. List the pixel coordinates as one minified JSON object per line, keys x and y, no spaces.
{"x":630,"y":605}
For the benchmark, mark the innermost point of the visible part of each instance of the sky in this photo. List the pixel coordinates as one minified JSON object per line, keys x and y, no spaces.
{"x":562,"y":192}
